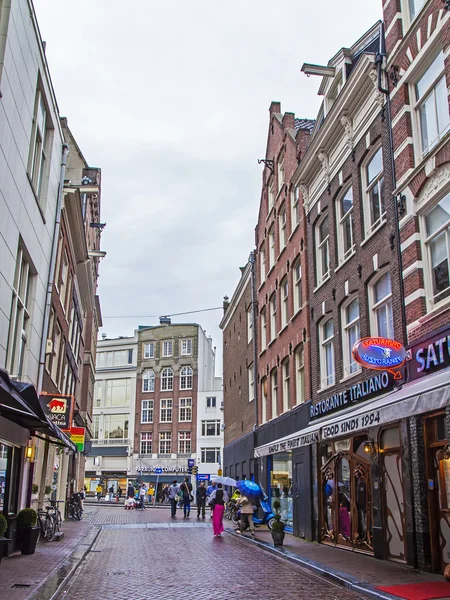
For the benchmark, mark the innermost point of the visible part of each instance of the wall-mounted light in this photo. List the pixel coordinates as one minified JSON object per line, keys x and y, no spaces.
{"x":29,"y":452}
{"x":368,"y":446}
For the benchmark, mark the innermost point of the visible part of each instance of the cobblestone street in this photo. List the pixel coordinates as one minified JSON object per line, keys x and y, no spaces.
{"x":143,"y":555}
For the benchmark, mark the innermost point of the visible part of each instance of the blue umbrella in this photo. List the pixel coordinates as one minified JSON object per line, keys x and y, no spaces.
{"x":249,"y":488}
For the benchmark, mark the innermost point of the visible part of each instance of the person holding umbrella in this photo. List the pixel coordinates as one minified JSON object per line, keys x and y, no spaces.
{"x":249,"y":491}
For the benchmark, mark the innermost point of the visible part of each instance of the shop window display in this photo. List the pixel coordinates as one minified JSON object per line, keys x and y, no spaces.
{"x":281,"y":485}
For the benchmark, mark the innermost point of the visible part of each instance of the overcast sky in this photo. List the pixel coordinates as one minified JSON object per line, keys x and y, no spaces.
{"x":170,"y":98}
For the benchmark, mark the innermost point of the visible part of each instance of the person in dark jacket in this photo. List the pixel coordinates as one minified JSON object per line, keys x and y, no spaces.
{"x":186,"y":489}
{"x":201,"y":500}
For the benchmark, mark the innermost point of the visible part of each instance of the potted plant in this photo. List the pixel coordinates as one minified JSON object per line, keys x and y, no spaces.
{"x":48,"y":490}
{"x":34,"y":489}
{"x":3,"y":541}
{"x":28,"y":530}
{"x":278,"y":526}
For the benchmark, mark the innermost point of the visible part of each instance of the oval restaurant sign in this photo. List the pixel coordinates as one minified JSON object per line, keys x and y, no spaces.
{"x":381,"y":354}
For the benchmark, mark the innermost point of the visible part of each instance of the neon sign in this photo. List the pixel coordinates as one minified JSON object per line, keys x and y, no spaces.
{"x":381,"y":354}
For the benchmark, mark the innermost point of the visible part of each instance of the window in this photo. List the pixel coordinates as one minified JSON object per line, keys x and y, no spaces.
{"x":375,"y":211}
{"x":186,"y":378}
{"x":274,"y":387}
{"x":271,"y":194}
{"x":281,"y":172}
{"x":273,"y":316}
{"x":437,"y":242}
{"x":63,"y":284}
{"x":414,"y":7}
{"x":432,"y":104}
{"x":263,"y":329}
{"x":345,"y":225}
{"x":147,"y":411}
{"x":262,"y":264}
{"x":184,"y":442}
{"x":323,"y":250}
{"x":326,"y":353}
{"x":40,"y":145}
{"x":20,"y":316}
{"x":56,"y":354}
{"x":186,"y":347}
{"x":117,"y":358}
{"x":211,"y":402}
{"x":116,"y":427}
{"x":282,"y":227}
{"x":271,"y":247}
{"x":165,"y":442}
{"x":95,"y":426}
{"x":210,"y":428}
{"x":264,"y":400}
{"x":146,"y":443}
{"x":297,"y":270}
{"x":166,"y":379}
{"x":118,"y":392}
{"x":299,"y":376}
{"x":210,"y":455}
{"x":350,"y":335}
{"x":250,"y":324}
{"x":382,"y":318}
{"x":167,"y":348}
{"x":185,"y":410}
{"x":295,"y":208}
{"x":149,"y":350}
{"x":165,"y":411}
{"x":286,"y":390}
{"x":251,"y":384}
{"x":284,"y":302}
{"x":148,"y":380}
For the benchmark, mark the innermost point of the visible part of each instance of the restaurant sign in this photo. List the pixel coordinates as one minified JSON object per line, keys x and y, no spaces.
{"x":430,"y":355}
{"x":58,"y":409}
{"x":381,"y":354}
{"x":296,"y":441}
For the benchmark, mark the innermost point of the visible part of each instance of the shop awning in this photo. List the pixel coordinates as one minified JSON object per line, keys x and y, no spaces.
{"x":19,"y":403}
{"x":425,"y":395}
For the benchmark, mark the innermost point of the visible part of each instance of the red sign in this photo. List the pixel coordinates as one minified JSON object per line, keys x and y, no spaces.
{"x":381,"y":354}
{"x":58,"y":408}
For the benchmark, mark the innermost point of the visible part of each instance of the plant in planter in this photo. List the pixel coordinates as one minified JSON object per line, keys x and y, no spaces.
{"x":34,"y":488}
{"x":278,"y":526}
{"x":3,"y":541}
{"x":48,"y":490}
{"x":28,"y":530}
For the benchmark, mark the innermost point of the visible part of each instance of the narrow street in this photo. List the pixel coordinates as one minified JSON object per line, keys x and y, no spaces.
{"x":147,"y":554}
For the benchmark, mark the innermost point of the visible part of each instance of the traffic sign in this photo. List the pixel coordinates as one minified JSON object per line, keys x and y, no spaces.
{"x":191,"y":462}
{"x":158,"y":470}
{"x":201,"y":477}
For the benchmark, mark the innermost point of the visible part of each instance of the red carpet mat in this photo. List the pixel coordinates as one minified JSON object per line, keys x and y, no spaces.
{"x":418,"y":591}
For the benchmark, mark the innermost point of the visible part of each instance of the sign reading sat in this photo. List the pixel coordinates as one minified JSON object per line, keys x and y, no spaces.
{"x":58,"y":409}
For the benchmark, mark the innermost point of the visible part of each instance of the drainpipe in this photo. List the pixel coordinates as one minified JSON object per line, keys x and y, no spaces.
{"x":381,"y":54}
{"x":252,"y":260}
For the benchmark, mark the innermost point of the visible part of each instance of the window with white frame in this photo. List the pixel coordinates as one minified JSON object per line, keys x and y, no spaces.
{"x":274,"y":390}
{"x":186,"y":347}
{"x":116,"y":427}
{"x":263,"y":328}
{"x":286,"y":388}
{"x":249,"y":324}
{"x":149,"y":350}
{"x":432,"y":104}
{"x":118,"y":392}
{"x":251,"y":384}
{"x":210,"y":455}
{"x":64,"y":279}
{"x":284,"y":302}
{"x":165,"y":412}
{"x":374,"y":205}
{"x":381,"y":305}
{"x":299,"y":376}
{"x":40,"y":146}
{"x":116,"y":358}
{"x":297,"y":275}
{"x":167,"y":348}
{"x":271,"y":194}
{"x":280,"y":172}
{"x":345,"y":225}
{"x":271,"y":247}
{"x":185,"y":410}
{"x":147,"y":411}
{"x":282,"y":227}
{"x":322,"y":250}
{"x":148,"y":380}
{"x":273,"y":316}
{"x":295,"y":208}
{"x":186,"y":375}
{"x":211,"y":402}
{"x":56,"y":352}
{"x":414,"y":8}
{"x":184,"y":442}
{"x":20,"y":315}
{"x":146,"y":443}
{"x":326,"y":337}
{"x":350,"y":335}
{"x":210,"y":428}
{"x":262,"y":264}
{"x":165,"y":442}
{"x":95,"y":426}
{"x":166,"y":379}
{"x":264,"y":400}
{"x":437,"y":243}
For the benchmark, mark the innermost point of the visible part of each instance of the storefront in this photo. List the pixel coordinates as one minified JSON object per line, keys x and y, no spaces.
{"x":280,"y":474}
{"x":106,"y":480}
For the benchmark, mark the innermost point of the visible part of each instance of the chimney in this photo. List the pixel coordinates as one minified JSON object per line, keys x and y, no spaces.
{"x":275,"y":107}
{"x":165,"y":321}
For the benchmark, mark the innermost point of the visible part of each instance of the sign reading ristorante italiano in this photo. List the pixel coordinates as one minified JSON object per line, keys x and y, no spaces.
{"x":352,"y":395}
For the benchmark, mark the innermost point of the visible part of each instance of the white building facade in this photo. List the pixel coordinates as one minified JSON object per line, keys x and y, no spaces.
{"x":210,"y":428}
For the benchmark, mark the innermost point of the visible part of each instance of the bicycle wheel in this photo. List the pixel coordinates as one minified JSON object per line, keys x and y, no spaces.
{"x":78,"y":513}
{"x":58,"y":520}
{"x":49,"y":528}
{"x":41,"y":527}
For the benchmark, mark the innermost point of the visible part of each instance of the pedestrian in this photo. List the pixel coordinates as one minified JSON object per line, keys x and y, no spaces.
{"x":151,"y":493}
{"x":201,"y":500}
{"x":217,"y":501}
{"x":111,"y":493}
{"x":119,"y":491}
{"x":98,"y":491}
{"x":142,"y":494}
{"x":210,"y":489}
{"x":129,"y":502}
{"x":173,"y":492}
{"x":246,"y":506}
{"x":186,"y":489}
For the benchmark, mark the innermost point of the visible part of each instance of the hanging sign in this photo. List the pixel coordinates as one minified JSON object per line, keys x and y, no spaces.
{"x":381,"y":354}
{"x":430,"y":355}
{"x":77,"y":434}
{"x":58,"y":409}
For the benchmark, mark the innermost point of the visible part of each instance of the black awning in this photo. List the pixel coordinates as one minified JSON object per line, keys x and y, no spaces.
{"x":19,"y":403}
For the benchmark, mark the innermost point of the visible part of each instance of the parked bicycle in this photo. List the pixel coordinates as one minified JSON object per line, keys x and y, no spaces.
{"x":47,"y":525}
{"x":54,"y":511}
{"x":74,"y":508}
